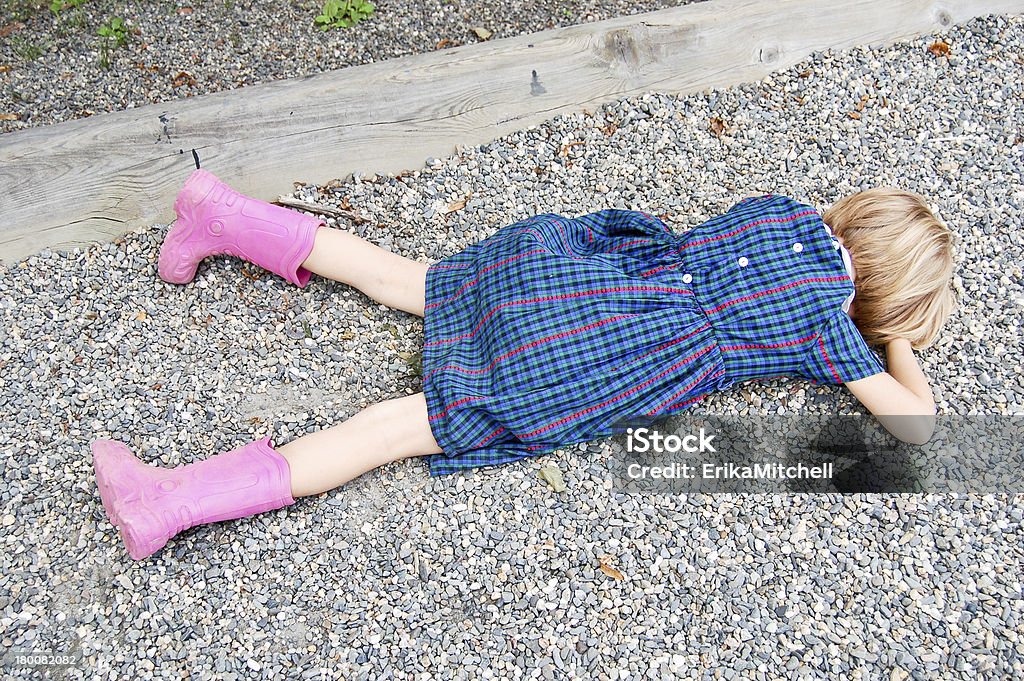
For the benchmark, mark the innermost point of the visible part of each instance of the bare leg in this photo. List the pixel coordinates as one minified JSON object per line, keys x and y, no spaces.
{"x":386,"y":277}
{"x":384,"y":432}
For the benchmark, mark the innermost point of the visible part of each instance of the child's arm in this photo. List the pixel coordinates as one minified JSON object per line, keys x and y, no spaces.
{"x":901,"y":392}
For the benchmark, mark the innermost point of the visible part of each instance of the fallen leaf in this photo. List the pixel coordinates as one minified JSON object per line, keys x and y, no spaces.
{"x":804,"y":74}
{"x":939,"y":48}
{"x":141,"y":316}
{"x":564,"y":151}
{"x":185,"y":10}
{"x":442,"y":43}
{"x":854,"y":115}
{"x":458,"y":205}
{"x":481,"y":32}
{"x":606,"y":567}
{"x":11,"y":28}
{"x":248,"y":274}
{"x":184,"y":78}
{"x":553,"y":476}
{"x":717,"y":126}
{"x":9,"y":117}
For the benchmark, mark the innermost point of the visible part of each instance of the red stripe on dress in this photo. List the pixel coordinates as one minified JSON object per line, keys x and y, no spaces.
{"x":564,"y":296}
{"x":769,"y":291}
{"x":617,"y":397}
{"x":490,"y":437}
{"x":685,"y":389}
{"x":531,"y":344}
{"x":763,"y":221}
{"x":512,"y":232}
{"x":783,"y":344}
{"x":477,"y":277}
{"x":824,"y":354}
{"x":659,"y":269}
{"x":451,"y":406}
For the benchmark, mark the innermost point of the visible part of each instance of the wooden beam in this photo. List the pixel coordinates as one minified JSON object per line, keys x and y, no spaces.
{"x":97,"y":178}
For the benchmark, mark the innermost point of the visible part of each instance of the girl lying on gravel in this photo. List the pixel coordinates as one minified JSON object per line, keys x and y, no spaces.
{"x":553,"y":329}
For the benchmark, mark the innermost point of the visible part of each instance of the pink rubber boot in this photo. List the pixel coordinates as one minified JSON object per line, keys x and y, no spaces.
{"x":150,"y":505}
{"x":214,"y":219}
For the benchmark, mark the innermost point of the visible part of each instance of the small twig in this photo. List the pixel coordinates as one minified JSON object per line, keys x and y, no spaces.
{"x":961,"y":138}
{"x":322,"y":210}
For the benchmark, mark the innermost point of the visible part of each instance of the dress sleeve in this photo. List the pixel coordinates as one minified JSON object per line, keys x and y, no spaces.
{"x":839,"y":354}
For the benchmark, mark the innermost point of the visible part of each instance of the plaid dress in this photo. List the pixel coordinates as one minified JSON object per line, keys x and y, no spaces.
{"x":552,"y":330}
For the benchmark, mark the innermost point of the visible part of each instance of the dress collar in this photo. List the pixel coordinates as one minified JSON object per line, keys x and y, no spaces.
{"x":847,"y":263}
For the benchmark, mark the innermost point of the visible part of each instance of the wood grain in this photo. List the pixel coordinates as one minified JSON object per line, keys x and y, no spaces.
{"x":97,"y":178}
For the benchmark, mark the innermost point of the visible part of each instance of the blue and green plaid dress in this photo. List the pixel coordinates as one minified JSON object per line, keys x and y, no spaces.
{"x":553,"y":330}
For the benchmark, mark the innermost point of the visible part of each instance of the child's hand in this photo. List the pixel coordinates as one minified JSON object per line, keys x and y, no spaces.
{"x":901,"y":391}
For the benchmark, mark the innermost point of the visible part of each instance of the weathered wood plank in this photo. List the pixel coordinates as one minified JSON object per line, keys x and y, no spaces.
{"x":97,"y":178}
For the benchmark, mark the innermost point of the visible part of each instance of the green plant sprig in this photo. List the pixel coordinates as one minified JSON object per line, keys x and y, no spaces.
{"x":344,"y":13}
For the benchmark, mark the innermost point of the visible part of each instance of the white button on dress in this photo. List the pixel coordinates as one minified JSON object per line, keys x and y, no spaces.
{"x":835,"y":244}
{"x":798,"y":247}
{"x":743,"y":261}
{"x":687,"y":278}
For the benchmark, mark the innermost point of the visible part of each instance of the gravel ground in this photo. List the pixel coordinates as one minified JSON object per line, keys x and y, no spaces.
{"x":491,"y":574}
{"x":181,"y":49}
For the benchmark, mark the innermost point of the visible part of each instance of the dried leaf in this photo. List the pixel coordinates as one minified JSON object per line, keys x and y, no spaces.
{"x":481,"y":32}
{"x":804,"y":74}
{"x":606,"y":567}
{"x":564,"y":151}
{"x":4,"y":68}
{"x":11,"y":28}
{"x":553,"y":476}
{"x":442,"y":43}
{"x":939,"y":48}
{"x":459,"y":204}
{"x":184,"y":78}
{"x":717,"y":126}
{"x":9,"y":117}
{"x":854,"y":115}
{"x":185,"y":10}
{"x":141,"y":316}
{"x":414,"y":360}
{"x":249,"y":274}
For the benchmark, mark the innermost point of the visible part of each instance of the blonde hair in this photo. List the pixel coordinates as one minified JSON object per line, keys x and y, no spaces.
{"x":903,"y":264}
